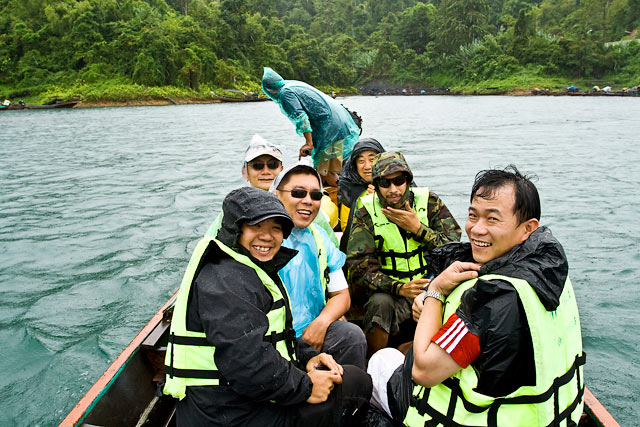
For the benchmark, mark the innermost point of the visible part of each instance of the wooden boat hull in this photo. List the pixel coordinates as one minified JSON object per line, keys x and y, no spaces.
{"x":40,"y":107}
{"x":246,"y":99}
{"x":125,"y":395}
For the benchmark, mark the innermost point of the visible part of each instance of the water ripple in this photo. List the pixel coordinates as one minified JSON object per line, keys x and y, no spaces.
{"x":102,"y":207}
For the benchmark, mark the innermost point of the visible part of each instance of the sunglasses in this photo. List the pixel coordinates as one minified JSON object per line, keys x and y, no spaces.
{"x":299,"y":193}
{"x":271,"y":164}
{"x":397,"y":181}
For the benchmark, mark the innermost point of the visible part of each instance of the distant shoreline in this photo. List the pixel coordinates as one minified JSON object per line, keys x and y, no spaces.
{"x":514,"y":92}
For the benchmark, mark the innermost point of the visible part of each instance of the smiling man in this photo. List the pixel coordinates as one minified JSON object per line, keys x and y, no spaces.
{"x":389,"y":236}
{"x":262,"y":163}
{"x":510,"y":349}
{"x":314,"y":279}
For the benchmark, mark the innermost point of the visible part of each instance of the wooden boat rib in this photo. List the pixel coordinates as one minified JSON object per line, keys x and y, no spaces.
{"x":125,"y":394}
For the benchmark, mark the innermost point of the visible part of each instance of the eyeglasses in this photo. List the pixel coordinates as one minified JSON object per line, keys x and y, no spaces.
{"x":271,"y":164}
{"x":299,"y":193}
{"x":397,"y":181}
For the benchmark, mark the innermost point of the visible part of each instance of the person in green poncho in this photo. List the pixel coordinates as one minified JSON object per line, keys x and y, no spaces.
{"x":327,"y":127}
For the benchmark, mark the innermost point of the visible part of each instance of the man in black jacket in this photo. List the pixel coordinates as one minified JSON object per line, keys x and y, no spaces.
{"x":234,"y":359}
{"x":498,"y":339}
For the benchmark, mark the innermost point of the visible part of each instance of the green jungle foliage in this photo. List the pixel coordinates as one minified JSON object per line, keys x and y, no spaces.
{"x":104,"y":49}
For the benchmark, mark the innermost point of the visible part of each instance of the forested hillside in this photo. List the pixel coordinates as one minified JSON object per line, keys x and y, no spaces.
{"x":94,"y":47}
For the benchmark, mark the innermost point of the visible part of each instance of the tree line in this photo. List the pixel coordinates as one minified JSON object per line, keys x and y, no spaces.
{"x":196,"y":44}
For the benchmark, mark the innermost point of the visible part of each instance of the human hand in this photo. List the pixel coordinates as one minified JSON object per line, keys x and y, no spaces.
{"x":315,"y":332}
{"x":413,"y":288}
{"x":324,"y":360}
{"x":371,"y":189}
{"x":305,"y":150}
{"x":323,"y":382}
{"x":418,"y":305}
{"x":406,"y":218}
{"x":453,"y":275}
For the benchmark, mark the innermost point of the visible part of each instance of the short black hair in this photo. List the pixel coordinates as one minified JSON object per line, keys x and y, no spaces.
{"x":527,"y":203}
{"x":297,"y":170}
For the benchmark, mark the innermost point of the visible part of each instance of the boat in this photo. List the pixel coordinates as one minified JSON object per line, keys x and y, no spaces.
{"x":126,"y":393}
{"x":244,"y":96}
{"x":23,"y":106}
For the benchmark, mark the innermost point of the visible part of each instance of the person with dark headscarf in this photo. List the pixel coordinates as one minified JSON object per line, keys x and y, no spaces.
{"x":355,"y":179}
{"x":232,"y":357}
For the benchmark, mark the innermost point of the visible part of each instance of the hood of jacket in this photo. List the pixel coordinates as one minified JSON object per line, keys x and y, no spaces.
{"x":250,"y":205}
{"x":272,"y":82}
{"x":350,"y":183}
{"x":540,"y":260}
{"x":388,"y":163}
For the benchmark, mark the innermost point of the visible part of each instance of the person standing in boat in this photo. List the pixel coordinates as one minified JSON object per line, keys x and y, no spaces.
{"x":385,"y":251}
{"x":498,"y":340}
{"x":314,"y":279}
{"x":327,"y":127}
{"x":232,"y":357}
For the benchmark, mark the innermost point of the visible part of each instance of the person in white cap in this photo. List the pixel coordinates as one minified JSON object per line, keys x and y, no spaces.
{"x":262,"y":163}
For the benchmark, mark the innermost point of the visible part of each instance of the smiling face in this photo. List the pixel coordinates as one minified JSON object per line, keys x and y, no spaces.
{"x":364,"y":163}
{"x":303,"y":211}
{"x":262,"y":240}
{"x":393,"y":193}
{"x":262,"y":178}
{"x":492,"y":225}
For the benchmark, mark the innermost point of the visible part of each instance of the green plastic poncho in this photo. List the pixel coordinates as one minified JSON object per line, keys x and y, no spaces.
{"x":333,"y":130}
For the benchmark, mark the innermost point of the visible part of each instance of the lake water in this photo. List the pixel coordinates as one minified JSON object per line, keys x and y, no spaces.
{"x":100,"y":209}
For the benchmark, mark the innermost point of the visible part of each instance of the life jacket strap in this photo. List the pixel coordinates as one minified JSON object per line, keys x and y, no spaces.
{"x":423,"y":407}
{"x":205,"y":374}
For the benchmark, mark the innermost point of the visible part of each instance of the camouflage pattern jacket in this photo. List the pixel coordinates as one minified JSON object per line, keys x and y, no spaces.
{"x":362,"y":260}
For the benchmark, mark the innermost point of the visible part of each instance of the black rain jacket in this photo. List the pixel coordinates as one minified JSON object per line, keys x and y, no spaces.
{"x":229,"y":303}
{"x":493,"y":312}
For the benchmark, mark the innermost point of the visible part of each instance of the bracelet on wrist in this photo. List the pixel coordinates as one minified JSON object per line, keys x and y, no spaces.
{"x":433,"y":294}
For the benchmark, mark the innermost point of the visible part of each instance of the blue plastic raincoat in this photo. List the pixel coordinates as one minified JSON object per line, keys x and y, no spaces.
{"x":333,"y":130}
{"x":301,"y":276}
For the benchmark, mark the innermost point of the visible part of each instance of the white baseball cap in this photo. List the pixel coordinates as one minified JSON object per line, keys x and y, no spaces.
{"x":259,"y":147}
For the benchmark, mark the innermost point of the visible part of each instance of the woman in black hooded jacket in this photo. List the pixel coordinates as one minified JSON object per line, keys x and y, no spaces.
{"x":351,"y":185}
{"x":229,"y":303}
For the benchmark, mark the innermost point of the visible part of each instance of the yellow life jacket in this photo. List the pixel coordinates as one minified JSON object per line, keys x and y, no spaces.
{"x":345,"y":211}
{"x":190,"y":357}
{"x":555,"y":398}
{"x":400,"y":258}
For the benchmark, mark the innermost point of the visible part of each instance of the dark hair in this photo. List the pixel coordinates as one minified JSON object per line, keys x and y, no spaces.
{"x":297,"y":170}
{"x":527,"y":203}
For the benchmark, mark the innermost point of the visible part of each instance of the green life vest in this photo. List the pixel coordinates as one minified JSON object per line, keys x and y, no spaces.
{"x":322,"y":257}
{"x":558,"y":356}
{"x":400,"y":258}
{"x":190,"y":357}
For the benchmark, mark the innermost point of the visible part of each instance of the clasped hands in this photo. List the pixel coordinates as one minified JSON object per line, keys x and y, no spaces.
{"x":324,"y":373}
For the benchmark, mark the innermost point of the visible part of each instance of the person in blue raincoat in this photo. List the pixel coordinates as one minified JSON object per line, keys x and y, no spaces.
{"x":327,"y":127}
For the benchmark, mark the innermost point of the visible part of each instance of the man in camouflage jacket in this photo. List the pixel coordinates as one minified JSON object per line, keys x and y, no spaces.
{"x":385,"y":248}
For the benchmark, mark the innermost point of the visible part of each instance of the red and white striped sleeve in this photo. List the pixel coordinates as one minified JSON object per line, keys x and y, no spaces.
{"x":454,"y":338}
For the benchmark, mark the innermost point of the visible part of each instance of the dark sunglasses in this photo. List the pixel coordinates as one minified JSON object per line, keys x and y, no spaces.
{"x":299,"y":193}
{"x":397,"y":181}
{"x":271,"y":164}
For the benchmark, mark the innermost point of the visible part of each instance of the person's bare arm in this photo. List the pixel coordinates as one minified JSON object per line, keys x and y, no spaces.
{"x":432,"y":364}
{"x":337,"y":305}
{"x":307,"y":148}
